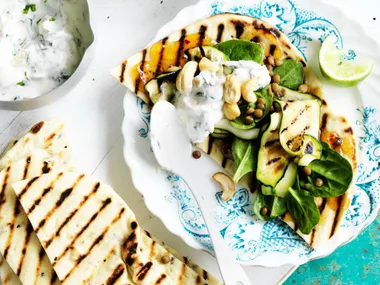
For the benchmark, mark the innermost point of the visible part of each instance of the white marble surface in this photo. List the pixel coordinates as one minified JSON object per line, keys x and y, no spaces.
{"x":94,"y":113}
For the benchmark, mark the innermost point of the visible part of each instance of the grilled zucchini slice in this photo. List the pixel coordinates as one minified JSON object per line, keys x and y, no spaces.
{"x":299,"y":118}
{"x":272,"y":158}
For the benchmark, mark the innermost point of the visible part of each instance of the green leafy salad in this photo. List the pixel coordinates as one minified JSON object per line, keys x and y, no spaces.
{"x":260,"y":107}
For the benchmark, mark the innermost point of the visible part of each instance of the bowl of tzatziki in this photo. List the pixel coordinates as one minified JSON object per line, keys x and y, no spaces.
{"x":44,"y":50}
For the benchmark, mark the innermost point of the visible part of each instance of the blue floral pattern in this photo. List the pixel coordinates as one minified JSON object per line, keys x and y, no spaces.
{"x":248,"y":236}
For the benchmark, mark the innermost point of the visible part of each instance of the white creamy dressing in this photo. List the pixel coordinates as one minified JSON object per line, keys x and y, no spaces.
{"x":41,"y":44}
{"x":201,"y":109}
{"x":244,"y":70}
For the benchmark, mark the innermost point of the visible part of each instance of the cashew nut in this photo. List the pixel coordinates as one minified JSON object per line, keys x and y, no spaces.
{"x":228,"y":185}
{"x":232,"y":89}
{"x":247,"y":90}
{"x":231,"y":111}
{"x":207,"y":65}
{"x":186,"y":75}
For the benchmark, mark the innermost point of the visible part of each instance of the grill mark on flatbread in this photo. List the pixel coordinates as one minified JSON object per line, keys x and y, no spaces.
{"x":51,"y":137}
{"x":30,"y":183}
{"x":205,"y":275}
{"x":105,"y":203}
{"x":4,"y":186}
{"x":26,"y":169}
{"x":148,"y":234}
{"x":152,"y":250}
{"x":272,"y":49}
{"x":24,"y":249}
{"x":130,"y":248}
{"x":40,"y":255}
{"x":144,"y":271}
{"x":121,"y":76}
{"x":202,"y":34}
{"x":72,"y":214}
{"x":64,"y":195}
{"x":94,"y":244}
{"x":16,"y":212}
{"x":37,"y":127}
{"x":325,"y":117}
{"x":255,"y":39}
{"x":323,"y":205}
{"x":182,"y":274}
{"x":312,"y":236}
{"x":349,"y":131}
{"x":272,"y":30}
{"x":46,"y":168}
{"x":239,"y":27}
{"x":185,"y":260}
{"x":180,"y":48}
{"x":44,"y":193}
{"x":220,"y":33}
{"x":116,"y":274}
{"x":161,"y":278}
{"x":8,"y":244}
{"x":336,"y":218}
{"x":158,"y":67}
{"x":141,"y":69}
{"x":53,"y":278}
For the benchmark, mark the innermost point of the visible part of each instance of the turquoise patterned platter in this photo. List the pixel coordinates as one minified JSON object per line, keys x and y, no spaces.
{"x":271,"y":243}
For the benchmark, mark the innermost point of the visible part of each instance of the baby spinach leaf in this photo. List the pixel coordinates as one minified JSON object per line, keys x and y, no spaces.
{"x":303,"y":209}
{"x":291,"y":73}
{"x":278,"y":207}
{"x":261,"y":202}
{"x":335,"y":171}
{"x":240,"y":123}
{"x":245,"y":157}
{"x":242,"y":50}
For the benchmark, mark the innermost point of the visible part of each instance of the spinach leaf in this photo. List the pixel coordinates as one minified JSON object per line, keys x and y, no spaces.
{"x":335,"y":171}
{"x":240,"y":123}
{"x":291,"y":73}
{"x":303,"y":209}
{"x":261,"y":202}
{"x":245,"y":157}
{"x":242,"y":50}
{"x":278,"y":207}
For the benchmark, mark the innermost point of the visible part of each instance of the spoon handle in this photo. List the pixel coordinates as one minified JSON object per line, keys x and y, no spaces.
{"x":204,"y":189}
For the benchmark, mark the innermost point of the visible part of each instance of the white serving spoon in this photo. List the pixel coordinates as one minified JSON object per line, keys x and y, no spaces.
{"x":173,"y":150}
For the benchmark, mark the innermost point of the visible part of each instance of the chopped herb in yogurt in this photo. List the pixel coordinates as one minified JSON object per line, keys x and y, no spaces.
{"x":41,"y":45}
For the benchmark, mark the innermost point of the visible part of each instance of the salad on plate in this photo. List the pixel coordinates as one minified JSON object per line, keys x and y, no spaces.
{"x":248,"y":98}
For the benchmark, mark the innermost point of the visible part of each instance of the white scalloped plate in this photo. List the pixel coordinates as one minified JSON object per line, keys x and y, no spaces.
{"x":255,"y":242}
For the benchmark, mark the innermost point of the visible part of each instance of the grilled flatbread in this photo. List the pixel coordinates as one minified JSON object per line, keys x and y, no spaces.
{"x":157,"y":59}
{"x":48,"y":138}
{"x":19,"y":244}
{"x":170,"y":51}
{"x":91,"y":235}
{"x":26,"y":158}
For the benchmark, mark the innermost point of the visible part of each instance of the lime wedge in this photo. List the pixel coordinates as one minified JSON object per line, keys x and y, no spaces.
{"x":343,"y":68}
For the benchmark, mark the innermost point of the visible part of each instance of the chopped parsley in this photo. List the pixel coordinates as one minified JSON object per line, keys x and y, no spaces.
{"x":52,"y":19}
{"x":28,"y":7}
{"x":21,"y":83}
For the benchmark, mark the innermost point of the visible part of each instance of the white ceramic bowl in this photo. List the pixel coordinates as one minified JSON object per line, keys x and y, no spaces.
{"x":62,"y":90}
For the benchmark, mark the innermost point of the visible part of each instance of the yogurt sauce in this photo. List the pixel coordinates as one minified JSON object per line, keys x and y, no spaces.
{"x":41,"y":45}
{"x":201,"y":109}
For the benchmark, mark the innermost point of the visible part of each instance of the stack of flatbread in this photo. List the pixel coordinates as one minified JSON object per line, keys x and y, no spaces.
{"x":59,"y":226}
